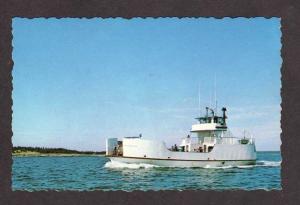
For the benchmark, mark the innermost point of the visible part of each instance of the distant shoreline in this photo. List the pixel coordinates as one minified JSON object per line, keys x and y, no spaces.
{"x":51,"y":152}
{"x":24,"y":154}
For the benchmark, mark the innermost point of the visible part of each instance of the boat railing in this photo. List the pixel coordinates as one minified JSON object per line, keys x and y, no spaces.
{"x":235,"y":140}
{"x":228,"y":140}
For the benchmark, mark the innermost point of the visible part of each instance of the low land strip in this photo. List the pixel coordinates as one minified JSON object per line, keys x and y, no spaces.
{"x":44,"y":152}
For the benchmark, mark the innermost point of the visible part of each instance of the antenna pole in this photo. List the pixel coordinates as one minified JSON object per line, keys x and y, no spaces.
{"x":199,"y":100}
{"x":211,"y":99}
{"x":216,"y":102}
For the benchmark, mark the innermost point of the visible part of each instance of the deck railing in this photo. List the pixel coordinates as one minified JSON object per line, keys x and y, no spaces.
{"x":228,"y":140}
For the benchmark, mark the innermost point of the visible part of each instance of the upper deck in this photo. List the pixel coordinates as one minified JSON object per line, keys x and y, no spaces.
{"x":211,"y":122}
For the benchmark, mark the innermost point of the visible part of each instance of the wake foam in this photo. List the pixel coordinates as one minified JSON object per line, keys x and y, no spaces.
{"x":220,"y":167}
{"x":263,"y":163}
{"x":246,"y":166}
{"x":123,"y":165}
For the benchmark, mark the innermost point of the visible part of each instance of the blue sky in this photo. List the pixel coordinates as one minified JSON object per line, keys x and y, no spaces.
{"x":79,"y":81}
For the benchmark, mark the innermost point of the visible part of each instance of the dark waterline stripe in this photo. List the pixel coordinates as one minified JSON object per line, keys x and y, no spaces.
{"x":180,"y":159}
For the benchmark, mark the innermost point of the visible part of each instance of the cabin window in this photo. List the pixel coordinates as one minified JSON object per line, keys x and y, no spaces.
{"x":210,"y":148}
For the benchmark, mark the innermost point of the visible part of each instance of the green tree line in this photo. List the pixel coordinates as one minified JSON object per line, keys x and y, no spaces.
{"x":45,"y":150}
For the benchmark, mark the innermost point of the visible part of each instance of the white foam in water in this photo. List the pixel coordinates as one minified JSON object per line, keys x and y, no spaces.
{"x":245,"y":166}
{"x":258,"y":164}
{"x":268,"y":163}
{"x":221,"y":167}
{"x":262,"y":164}
{"x":121,"y":165}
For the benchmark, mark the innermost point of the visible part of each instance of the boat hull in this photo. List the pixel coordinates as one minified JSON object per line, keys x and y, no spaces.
{"x":182,"y":163}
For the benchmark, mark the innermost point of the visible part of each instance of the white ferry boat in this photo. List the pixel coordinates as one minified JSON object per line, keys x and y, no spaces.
{"x":212,"y":145}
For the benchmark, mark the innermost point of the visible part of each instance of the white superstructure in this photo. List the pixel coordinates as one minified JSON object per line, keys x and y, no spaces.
{"x":212,"y":145}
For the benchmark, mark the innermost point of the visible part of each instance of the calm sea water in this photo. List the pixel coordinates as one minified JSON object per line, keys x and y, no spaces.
{"x":97,"y":173}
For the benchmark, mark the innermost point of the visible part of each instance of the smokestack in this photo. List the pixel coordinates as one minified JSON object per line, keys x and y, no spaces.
{"x":224,"y":114}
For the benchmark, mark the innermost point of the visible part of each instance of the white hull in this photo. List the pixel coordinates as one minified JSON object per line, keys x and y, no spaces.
{"x":155,"y":153}
{"x":183,"y":163}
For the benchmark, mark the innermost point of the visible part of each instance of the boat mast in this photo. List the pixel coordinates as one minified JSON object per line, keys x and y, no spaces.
{"x":199,"y":100}
{"x":216,"y":102}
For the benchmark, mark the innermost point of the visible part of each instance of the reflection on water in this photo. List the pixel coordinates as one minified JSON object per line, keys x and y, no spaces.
{"x":98,"y":173}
